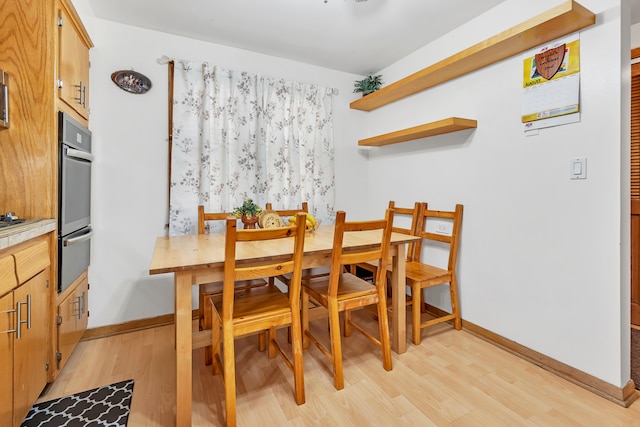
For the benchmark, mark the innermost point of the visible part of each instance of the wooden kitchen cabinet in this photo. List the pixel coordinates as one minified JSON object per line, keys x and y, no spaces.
{"x":7,"y":283}
{"x":30,"y":350}
{"x":72,"y":319}
{"x":36,"y":52}
{"x":24,"y":328}
{"x":73,"y":61}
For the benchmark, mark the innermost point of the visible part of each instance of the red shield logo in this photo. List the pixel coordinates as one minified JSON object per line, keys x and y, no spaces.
{"x":548,"y":62}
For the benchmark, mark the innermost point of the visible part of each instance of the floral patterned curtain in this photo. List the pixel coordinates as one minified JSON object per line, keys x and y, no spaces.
{"x":239,"y":136}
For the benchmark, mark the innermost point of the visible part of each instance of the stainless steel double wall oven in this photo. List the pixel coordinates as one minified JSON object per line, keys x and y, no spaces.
{"x":74,"y":200}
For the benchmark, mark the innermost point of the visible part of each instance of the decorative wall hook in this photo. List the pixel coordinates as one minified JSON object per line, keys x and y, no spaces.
{"x":131,"y":81}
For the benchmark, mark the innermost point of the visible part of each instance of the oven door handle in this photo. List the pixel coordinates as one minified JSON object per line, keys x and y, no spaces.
{"x":79,"y":239}
{"x":77,"y":154}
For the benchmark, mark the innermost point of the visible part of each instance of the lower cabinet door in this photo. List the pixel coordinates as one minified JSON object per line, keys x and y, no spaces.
{"x":7,"y":319}
{"x":73,"y":314}
{"x":30,"y":345}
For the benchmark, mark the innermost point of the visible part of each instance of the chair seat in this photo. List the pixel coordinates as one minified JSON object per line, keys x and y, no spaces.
{"x":255,"y":304}
{"x":349,"y":287}
{"x":419,"y":272}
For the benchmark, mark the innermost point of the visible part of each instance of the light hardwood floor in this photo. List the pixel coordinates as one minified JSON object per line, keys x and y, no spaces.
{"x":452,"y":379}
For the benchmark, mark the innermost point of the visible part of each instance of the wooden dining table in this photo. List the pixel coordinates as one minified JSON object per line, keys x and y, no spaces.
{"x":196,"y":259}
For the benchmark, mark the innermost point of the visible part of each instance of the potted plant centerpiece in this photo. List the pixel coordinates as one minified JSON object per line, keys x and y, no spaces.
{"x":368,"y":85}
{"x":248,"y":213}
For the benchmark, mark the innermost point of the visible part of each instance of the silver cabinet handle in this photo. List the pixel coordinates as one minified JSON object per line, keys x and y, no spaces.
{"x":79,"y":239}
{"x":5,"y":108}
{"x":28,"y":311}
{"x":9,"y":331}
{"x":77,"y":312}
{"x":19,"y":320}
{"x":79,"y":97}
{"x":82,"y":94}
{"x":80,"y":301}
{"x":77,"y":154}
{"x":19,"y":315}
{"x":82,"y":305}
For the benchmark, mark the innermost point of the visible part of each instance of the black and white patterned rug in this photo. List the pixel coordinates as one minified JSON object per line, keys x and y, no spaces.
{"x":106,"y":406}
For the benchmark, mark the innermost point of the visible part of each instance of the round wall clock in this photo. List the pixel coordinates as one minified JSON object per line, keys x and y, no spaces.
{"x":131,"y":81}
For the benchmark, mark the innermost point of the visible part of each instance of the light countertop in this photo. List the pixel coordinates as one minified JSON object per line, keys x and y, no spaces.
{"x":15,"y":234}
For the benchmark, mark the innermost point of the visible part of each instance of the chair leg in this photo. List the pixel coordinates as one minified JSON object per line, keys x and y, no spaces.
{"x":262,"y":341}
{"x":383,"y":325}
{"x":201,"y":299}
{"x":289,"y":337}
{"x":455,"y":307}
{"x":214,"y":350}
{"x":336,"y":344}
{"x":271,"y":345}
{"x":298,"y":366}
{"x":205,"y":313}
{"x":229,"y":375}
{"x":347,"y":323}
{"x":305,"y":320}
{"x":416,"y":295}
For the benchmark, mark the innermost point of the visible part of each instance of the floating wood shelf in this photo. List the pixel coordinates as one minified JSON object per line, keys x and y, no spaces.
{"x":452,"y":124}
{"x":552,"y":24}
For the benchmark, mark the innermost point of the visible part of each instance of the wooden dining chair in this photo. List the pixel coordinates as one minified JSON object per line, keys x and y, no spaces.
{"x":399,"y":213}
{"x":252,"y":310}
{"x":205,"y":290}
{"x":421,"y":275}
{"x":342,"y":291}
{"x":411,"y":217}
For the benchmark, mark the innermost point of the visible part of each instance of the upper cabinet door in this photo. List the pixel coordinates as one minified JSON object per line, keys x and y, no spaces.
{"x":73,"y":63}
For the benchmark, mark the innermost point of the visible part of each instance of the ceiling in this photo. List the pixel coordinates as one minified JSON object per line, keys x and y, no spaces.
{"x":360,"y":37}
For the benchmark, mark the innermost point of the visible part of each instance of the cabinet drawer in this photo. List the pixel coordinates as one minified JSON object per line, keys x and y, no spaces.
{"x":31,"y":261}
{"x":7,"y":275}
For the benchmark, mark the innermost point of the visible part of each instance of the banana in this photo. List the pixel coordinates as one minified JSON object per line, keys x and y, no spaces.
{"x":311,"y":219}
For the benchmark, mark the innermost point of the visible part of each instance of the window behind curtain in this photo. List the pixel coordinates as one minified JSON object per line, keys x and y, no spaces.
{"x":237,"y":136}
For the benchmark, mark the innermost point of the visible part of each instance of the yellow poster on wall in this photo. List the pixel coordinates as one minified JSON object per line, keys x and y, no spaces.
{"x":551,"y":84}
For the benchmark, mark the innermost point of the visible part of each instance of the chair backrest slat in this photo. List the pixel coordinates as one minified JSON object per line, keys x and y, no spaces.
{"x":288,"y":212}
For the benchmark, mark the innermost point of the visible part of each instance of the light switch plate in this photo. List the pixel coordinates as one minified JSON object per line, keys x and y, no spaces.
{"x":578,"y":168}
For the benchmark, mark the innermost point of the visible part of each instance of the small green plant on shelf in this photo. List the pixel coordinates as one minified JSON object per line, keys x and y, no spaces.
{"x":368,"y":85}
{"x":248,"y":209}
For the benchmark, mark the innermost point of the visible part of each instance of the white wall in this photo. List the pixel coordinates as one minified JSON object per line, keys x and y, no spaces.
{"x":543,"y":261}
{"x":129,"y":206}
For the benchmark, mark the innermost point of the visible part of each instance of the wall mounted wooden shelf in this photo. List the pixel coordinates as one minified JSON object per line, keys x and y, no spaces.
{"x":552,"y":24}
{"x":452,"y":124}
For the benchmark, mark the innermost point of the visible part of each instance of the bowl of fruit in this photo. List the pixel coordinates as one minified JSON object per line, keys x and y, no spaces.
{"x":312,"y":224}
